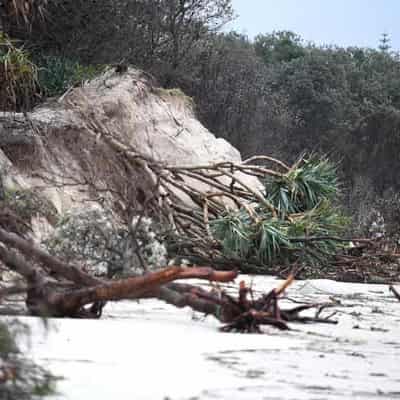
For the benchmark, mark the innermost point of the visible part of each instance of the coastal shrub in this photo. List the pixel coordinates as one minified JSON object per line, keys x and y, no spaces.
{"x":94,"y":238}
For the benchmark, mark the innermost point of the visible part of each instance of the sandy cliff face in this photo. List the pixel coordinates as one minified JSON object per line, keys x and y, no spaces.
{"x":56,"y":140}
{"x":158,"y":123}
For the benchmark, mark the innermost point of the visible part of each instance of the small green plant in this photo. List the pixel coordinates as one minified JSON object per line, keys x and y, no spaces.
{"x":57,"y":74}
{"x":19,"y":88}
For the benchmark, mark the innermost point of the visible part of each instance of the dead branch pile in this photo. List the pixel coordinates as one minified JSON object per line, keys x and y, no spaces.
{"x":226,"y":188}
{"x":191,"y":199}
{"x":297,"y":224}
{"x":223,"y":188}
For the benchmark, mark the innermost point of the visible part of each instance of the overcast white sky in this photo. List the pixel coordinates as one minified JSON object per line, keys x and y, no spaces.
{"x":342,"y":22}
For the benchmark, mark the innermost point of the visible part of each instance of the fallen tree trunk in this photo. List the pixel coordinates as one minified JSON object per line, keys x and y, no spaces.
{"x":71,"y":301}
{"x":48,"y":297}
{"x":56,"y":289}
{"x":45,"y":298}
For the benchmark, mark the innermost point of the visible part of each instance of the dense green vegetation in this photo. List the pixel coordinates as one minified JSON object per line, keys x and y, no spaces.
{"x":276,"y":94}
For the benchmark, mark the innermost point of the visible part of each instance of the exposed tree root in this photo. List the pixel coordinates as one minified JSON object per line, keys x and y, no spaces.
{"x":243,"y":314}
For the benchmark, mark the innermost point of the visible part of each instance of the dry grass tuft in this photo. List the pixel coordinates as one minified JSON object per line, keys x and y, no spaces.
{"x":18,"y":77}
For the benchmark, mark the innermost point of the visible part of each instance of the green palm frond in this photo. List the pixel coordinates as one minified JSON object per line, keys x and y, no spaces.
{"x":241,"y":236}
{"x":271,"y":240}
{"x":309,"y":182}
{"x":234,"y":230}
{"x":323,"y":221}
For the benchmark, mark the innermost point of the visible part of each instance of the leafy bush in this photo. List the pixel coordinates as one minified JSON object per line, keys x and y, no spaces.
{"x":19,"y":88}
{"x":94,"y":238}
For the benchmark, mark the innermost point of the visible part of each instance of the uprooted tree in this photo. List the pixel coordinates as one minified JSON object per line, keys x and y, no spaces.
{"x":210,"y":215}
{"x":232,"y":216}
